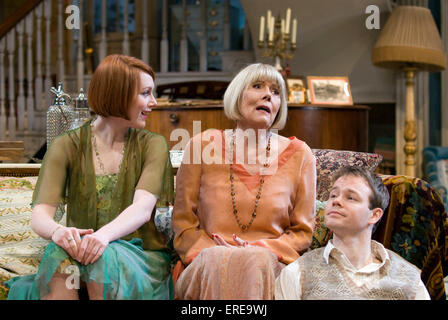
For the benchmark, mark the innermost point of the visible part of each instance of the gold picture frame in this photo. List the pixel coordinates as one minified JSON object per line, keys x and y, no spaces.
{"x":296,"y":86}
{"x":330,"y":90}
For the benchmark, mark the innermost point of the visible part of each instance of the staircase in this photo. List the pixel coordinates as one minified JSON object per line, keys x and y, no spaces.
{"x":25,"y":78}
{"x":40,"y":45}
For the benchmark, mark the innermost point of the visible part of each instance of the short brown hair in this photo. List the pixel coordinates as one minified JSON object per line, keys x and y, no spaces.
{"x":114,"y":85}
{"x":379,"y":197}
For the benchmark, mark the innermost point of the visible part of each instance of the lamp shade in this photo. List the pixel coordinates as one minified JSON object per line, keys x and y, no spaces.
{"x":410,"y":39}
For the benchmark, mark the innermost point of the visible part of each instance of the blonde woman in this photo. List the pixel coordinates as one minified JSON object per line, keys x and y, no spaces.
{"x":244,"y":204}
{"x":110,"y":172}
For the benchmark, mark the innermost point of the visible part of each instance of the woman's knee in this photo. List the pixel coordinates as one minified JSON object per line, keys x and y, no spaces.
{"x":95,"y":290}
{"x":60,"y":288}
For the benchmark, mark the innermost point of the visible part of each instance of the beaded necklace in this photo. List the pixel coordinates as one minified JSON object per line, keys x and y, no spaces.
{"x":245,"y":227}
{"x":95,"y":148}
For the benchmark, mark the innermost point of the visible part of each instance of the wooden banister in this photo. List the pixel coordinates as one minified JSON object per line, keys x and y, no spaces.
{"x":11,"y":150}
{"x":18,"y":15}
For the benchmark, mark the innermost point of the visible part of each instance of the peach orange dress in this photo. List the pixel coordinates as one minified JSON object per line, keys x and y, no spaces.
{"x":280,"y":232}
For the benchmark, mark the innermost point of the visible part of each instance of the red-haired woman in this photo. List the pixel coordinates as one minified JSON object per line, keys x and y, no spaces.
{"x":111,"y":173}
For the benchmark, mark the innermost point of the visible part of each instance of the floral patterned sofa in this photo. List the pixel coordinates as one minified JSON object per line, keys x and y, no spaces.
{"x":415,"y":224}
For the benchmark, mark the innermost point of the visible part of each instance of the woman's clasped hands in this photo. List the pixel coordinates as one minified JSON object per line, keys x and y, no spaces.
{"x":240,"y":243}
{"x":85,"y":250}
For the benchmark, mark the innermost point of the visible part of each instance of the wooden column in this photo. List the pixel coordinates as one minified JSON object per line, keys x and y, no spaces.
{"x":11,"y":47}
{"x":203,"y":38}
{"x":20,"y":76}
{"x":103,"y":44}
{"x":31,"y":121}
{"x":444,"y":73}
{"x":126,"y":27}
{"x":117,"y":20}
{"x":47,"y":15}
{"x":183,"y":40}
{"x":2,"y":89}
{"x":145,"y":41}
{"x":79,"y":58}
{"x":38,"y":80}
{"x":226,"y":26}
{"x":164,"y":42}
{"x":60,"y":62}
{"x":410,"y":133}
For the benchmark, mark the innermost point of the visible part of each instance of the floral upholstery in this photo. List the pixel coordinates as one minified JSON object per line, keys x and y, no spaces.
{"x":20,"y":248}
{"x":321,"y":233}
{"x":329,"y":161}
{"x":415,"y":226}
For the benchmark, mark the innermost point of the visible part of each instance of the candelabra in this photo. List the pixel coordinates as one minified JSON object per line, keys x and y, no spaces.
{"x":279,"y":44}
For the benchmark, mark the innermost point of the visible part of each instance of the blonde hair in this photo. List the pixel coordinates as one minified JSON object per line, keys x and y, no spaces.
{"x":247,"y":76}
{"x":115,"y":84}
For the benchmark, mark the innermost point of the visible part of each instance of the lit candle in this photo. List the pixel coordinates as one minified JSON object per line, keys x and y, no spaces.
{"x":283,"y":26}
{"x":271,"y":30}
{"x":288,"y":20}
{"x":268,"y":20}
{"x":262,"y":28}
{"x":294,"y":31}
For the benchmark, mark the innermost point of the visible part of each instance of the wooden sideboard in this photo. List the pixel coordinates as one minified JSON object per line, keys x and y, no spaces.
{"x":320,"y":126}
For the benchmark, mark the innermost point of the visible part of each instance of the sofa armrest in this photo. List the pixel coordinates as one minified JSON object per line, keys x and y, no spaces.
{"x":415,"y":225}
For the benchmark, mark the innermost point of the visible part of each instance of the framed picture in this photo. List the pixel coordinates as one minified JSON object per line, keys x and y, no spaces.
{"x":296,"y":89}
{"x":330,"y":90}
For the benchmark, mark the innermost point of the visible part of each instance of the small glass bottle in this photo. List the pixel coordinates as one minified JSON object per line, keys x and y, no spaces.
{"x":81,"y":110}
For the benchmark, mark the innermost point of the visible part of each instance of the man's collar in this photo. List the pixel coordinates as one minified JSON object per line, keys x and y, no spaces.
{"x":378,"y":251}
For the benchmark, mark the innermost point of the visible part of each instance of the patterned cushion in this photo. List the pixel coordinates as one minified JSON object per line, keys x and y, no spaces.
{"x":321,"y":233}
{"x":415,"y":226}
{"x":162,"y":221}
{"x":329,"y":161}
{"x":20,"y":248}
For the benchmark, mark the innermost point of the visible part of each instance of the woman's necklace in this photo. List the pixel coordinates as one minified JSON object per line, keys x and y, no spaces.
{"x":95,"y":148}
{"x":245,"y":227}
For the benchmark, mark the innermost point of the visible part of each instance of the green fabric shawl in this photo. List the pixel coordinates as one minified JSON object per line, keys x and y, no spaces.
{"x":67,"y":176}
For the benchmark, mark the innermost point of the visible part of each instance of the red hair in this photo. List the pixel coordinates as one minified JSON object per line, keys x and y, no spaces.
{"x":114,"y":85}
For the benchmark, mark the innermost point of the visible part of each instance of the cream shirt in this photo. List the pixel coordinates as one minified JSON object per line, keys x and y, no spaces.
{"x":288,"y":283}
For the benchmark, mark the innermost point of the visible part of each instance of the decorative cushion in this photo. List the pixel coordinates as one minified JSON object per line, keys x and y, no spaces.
{"x":20,"y":248}
{"x":162,"y":221}
{"x":321,"y":233}
{"x":329,"y":161}
{"x":415,"y":226}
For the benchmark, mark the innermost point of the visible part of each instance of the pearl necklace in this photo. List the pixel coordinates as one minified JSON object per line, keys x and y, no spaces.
{"x":245,"y":227}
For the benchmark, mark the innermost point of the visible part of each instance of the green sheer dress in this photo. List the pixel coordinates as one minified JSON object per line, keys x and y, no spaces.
{"x":134,"y":267}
